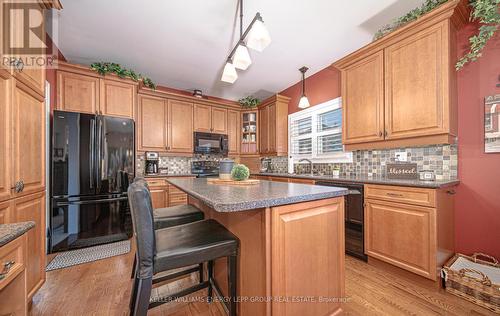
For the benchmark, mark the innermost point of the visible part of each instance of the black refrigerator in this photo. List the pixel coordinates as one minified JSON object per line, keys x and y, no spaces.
{"x":92,"y":164}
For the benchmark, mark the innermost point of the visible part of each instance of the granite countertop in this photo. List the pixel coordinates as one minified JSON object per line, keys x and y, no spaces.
{"x":232,"y":198}
{"x":9,"y":232}
{"x":366,"y":179}
{"x":169,"y":175}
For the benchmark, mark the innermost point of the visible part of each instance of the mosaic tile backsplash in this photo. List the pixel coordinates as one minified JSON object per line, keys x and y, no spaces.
{"x":175,"y":165}
{"x":442,"y":159}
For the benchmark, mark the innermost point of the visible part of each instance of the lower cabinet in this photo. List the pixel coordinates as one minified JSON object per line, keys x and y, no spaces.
{"x":32,"y":208}
{"x":410,"y":228}
{"x":159,"y":196}
{"x":165,"y":195}
{"x":13,"y":282}
{"x":403,"y":235}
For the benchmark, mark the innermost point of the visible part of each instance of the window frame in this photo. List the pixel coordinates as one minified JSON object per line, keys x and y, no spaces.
{"x":314,"y":112}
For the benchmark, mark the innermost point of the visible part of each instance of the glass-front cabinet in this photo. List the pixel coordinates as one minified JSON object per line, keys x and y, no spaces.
{"x":249,"y":133}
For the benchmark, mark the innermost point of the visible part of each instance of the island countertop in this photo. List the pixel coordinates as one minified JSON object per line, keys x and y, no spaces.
{"x":232,"y":198}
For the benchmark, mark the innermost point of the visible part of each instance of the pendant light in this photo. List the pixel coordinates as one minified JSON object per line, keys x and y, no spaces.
{"x":242,"y":57}
{"x":303,"y":102}
{"x":229,"y":74}
{"x":258,"y":39}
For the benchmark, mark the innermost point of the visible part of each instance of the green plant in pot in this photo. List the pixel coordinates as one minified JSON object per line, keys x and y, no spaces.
{"x":240,"y":172}
{"x":249,"y":102}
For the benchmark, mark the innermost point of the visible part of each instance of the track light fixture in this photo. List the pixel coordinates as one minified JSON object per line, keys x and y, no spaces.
{"x":258,"y":39}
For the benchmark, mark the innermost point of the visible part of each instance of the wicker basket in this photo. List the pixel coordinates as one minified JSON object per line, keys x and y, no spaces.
{"x":471,"y":278}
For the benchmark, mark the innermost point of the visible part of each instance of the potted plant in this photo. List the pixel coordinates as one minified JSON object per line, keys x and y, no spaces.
{"x":240,"y":172}
{"x":249,"y":102}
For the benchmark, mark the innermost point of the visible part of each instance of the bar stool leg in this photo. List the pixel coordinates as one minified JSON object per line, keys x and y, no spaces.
{"x":210,"y":269}
{"x":134,"y":266}
{"x":142,"y":297}
{"x":231,"y":282}
{"x":201,"y":272}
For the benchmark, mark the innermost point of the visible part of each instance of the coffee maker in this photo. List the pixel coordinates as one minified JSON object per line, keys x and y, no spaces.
{"x":152,"y":162}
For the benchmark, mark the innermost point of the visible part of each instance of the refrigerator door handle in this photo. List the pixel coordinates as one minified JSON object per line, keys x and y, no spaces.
{"x":92,"y":152}
{"x":99,"y":145}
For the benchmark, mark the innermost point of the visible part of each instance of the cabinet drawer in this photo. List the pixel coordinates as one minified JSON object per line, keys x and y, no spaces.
{"x":12,"y":252}
{"x":177,"y":199}
{"x":174,"y":190}
{"x":407,"y":195}
{"x":156,"y":182}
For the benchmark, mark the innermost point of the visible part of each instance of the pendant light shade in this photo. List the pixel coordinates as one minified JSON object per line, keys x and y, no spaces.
{"x":258,"y":37}
{"x":229,"y":74}
{"x":303,"y":102}
{"x":241,"y":58}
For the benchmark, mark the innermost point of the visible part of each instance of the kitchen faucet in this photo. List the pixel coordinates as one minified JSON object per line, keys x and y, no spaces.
{"x":310,"y":164}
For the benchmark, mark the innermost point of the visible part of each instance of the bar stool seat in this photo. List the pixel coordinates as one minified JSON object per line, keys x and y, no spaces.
{"x":176,"y":215}
{"x":192,"y":243}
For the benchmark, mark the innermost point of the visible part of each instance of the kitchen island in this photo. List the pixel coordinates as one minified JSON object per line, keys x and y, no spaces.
{"x":291,"y":259}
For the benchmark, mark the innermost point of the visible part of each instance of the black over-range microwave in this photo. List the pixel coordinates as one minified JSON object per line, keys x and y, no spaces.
{"x":210,"y":143}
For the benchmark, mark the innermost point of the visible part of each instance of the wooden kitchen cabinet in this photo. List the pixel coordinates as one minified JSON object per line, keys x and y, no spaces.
{"x":209,"y":119}
{"x":6,"y":92}
{"x":273,"y":126}
{"x":250,"y":133}
{"x":32,"y":208}
{"x":117,"y":98}
{"x":180,"y":126}
{"x":400,"y":90}
{"x":363,"y":98}
{"x":6,"y":212}
{"x":159,"y":197}
{"x":80,"y":89}
{"x":13,"y":284}
{"x":233,"y":131}
{"x":77,"y":92}
{"x":410,"y":228}
{"x":152,"y":125}
{"x":28,"y":148}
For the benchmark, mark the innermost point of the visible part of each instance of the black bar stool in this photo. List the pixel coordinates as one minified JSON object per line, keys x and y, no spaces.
{"x":175,"y":247}
{"x":171,"y":216}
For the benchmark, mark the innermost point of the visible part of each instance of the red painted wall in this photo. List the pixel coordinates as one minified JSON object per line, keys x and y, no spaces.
{"x":477,"y":210}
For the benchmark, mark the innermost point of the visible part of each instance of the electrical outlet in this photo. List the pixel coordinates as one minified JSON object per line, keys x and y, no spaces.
{"x":401,"y":156}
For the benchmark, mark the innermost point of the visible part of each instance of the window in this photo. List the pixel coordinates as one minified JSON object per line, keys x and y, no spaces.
{"x":316,"y":134}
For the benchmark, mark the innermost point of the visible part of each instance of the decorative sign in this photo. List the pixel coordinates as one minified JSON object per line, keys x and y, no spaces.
{"x":405,"y":171}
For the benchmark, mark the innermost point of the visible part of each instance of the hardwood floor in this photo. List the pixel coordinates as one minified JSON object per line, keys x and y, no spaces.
{"x":103,"y":288}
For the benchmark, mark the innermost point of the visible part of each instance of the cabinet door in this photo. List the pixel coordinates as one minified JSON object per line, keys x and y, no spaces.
{"x":415,"y":71}
{"x":29,"y":140}
{"x":32,"y":208}
{"x":6,"y":161}
{"x":271,"y":128}
{"x":152,"y":124}
{"x":264,"y":130}
{"x":306,"y":230}
{"x":180,"y":117}
{"x":202,"y":118}
{"x":219,"y":121}
{"x":363,"y":100}
{"x":6,"y":212}
{"x":117,"y":98}
{"x":159,"y":197}
{"x":233,"y":131}
{"x":77,"y":93}
{"x":403,"y":235}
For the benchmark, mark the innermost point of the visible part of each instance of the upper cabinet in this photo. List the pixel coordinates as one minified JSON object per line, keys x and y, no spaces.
{"x":82,"y":90}
{"x":401,"y":89}
{"x":210,"y":119}
{"x":164,"y":125}
{"x":273,"y":126}
{"x":5,"y":137}
{"x":77,"y":93}
{"x":117,"y":98}
{"x":233,"y":131}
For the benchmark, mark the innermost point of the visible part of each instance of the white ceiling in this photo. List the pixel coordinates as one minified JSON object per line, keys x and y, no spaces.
{"x":184,"y":44}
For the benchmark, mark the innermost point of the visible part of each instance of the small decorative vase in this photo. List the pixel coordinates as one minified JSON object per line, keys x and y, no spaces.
{"x":336,"y":173}
{"x":225,"y":167}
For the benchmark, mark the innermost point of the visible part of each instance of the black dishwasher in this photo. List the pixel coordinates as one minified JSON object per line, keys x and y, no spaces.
{"x":354,"y":218}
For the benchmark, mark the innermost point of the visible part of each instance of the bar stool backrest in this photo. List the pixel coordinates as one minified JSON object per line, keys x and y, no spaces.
{"x":142,"y":219}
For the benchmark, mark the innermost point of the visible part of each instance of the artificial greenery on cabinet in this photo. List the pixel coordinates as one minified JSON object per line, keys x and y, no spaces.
{"x":486,"y":12}
{"x":103,"y":68}
{"x":249,"y":102}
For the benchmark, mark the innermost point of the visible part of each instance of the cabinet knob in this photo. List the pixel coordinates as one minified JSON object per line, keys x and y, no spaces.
{"x":6,"y":269}
{"x":380,"y":134}
{"x":18,"y":186}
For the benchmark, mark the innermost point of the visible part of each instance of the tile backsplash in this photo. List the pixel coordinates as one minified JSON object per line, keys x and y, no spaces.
{"x":442,"y":159}
{"x":174,"y":164}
